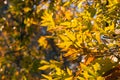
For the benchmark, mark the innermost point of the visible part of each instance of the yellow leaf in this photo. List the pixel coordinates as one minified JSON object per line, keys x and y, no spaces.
{"x":54,"y":62}
{"x":43,"y":42}
{"x":69,"y":78}
{"x":100,"y":78}
{"x":80,"y":4}
{"x":65,"y":45}
{"x":95,"y":27}
{"x":70,"y":52}
{"x":71,"y":35}
{"x":44,"y":67}
{"x":26,"y":9}
{"x":86,"y":68}
{"x":47,"y":77}
{"x":85,"y":74}
{"x":69,"y":71}
{"x":66,"y":23}
{"x":96,"y":66}
{"x":66,"y":3}
{"x":68,"y":14}
{"x":29,"y":21}
{"x":110,"y":28}
{"x":44,"y":62}
{"x":58,"y":71}
{"x":113,"y":1}
{"x":74,"y":22}
{"x":97,"y":36}
{"x":80,"y":78}
{"x":89,"y":60}
{"x":47,"y":20}
{"x":63,"y":37}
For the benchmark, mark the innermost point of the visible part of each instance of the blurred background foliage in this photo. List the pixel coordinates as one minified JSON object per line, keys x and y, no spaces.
{"x":59,"y":39}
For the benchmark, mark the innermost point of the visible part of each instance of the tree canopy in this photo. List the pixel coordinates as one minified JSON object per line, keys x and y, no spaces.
{"x":60,"y":39}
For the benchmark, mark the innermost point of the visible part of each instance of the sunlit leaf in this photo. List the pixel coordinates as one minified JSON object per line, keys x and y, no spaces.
{"x":113,"y":1}
{"x":47,"y":77}
{"x":65,"y":23}
{"x":97,"y":36}
{"x":65,"y":45}
{"x":88,"y":69}
{"x":70,"y":35}
{"x":69,"y":78}
{"x":43,"y":42}
{"x":96,"y":66}
{"x":110,"y":28}
{"x":100,"y":78}
{"x":85,"y":74}
{"x":66,"y":3}
{"x":69,"y":71}
{"x":70,"y":52}
{"x":26,"y":9}
{"x":80,"y":78}
{"x":44,"y":67}
{"x":48,"y":20}
{"x":74,"y":23}
{"x":89,"y":60}
{"x":68,"y":14}
{"x":44,"y":62}
{"x":58,"y":71}
{"x":80,"y":3}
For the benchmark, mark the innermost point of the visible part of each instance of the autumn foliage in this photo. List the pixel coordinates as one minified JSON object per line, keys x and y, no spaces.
{"x":60,"y":40}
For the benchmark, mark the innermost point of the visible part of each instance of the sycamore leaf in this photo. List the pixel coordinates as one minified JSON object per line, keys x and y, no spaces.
{"x":44,"y":67}
{"x":47,"y":77}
